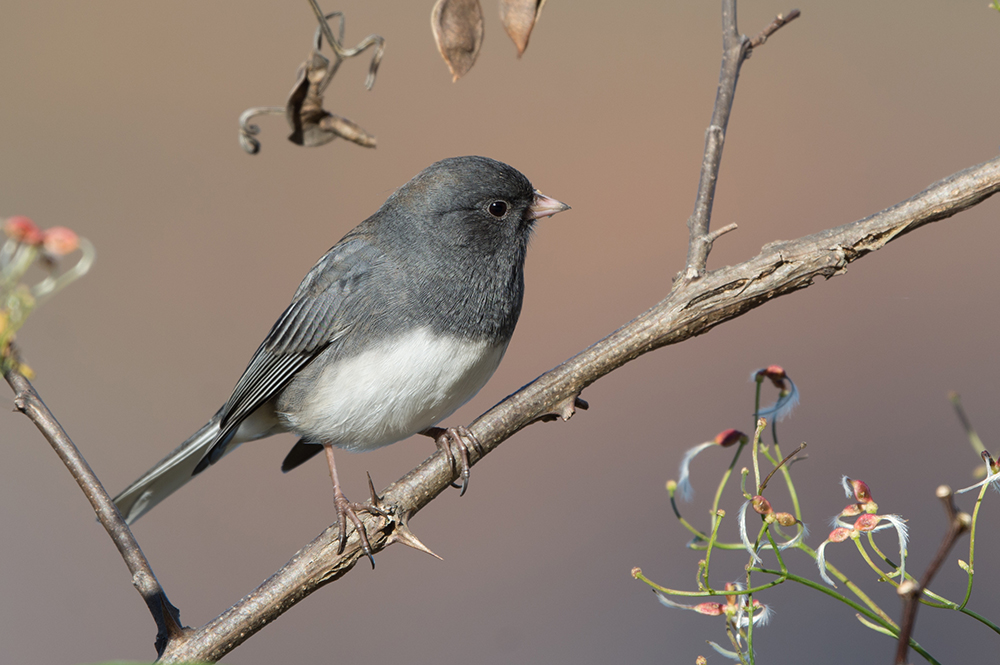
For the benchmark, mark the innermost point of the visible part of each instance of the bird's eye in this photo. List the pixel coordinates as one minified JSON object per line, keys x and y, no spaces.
{"x":498,"y":209}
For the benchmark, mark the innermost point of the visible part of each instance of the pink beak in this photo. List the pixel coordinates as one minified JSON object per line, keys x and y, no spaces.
{"x":545,"y":206}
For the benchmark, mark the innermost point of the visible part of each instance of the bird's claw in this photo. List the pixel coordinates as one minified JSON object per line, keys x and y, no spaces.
{"x":348,"y":510}
{"x":462,"y":438}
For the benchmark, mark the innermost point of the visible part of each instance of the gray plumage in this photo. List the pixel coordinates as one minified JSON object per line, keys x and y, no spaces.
{"x":432,"y":283}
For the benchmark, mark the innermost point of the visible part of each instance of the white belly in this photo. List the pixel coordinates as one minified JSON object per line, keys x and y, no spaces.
{"x":387,"y":394}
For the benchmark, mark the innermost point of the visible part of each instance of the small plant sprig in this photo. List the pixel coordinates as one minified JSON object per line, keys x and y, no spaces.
{"x":27,"y":245}
{"x":859,"y":521}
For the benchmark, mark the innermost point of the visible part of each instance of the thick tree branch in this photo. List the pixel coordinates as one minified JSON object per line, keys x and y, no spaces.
{"x":691,"y":309}
{"x":167,"y":618}
{"x":736,"y":48}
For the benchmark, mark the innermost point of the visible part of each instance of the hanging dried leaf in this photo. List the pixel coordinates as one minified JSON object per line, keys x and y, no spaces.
{"x":458,"y":31}
{"x":519,"y":17}
{"x":311,"y":124}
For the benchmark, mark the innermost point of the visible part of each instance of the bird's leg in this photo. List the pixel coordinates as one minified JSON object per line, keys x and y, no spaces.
{"x":347,"y":509}
{"x":462,"y":437}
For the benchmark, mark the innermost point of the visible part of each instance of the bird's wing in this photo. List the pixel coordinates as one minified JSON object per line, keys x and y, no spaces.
{"x":318,"y":316}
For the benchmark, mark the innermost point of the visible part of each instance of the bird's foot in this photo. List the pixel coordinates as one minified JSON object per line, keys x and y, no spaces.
{"x":462,"y":439}
{"x":348,"y":510}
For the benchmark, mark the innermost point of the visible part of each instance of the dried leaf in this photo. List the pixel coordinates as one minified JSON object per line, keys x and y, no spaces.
{"x":311,"y":124}
{"x":458,"y":31}
{"x":519,"y":17}
{"x":346,"y":129}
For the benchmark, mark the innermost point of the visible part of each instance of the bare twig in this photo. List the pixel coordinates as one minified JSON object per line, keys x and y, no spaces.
{"x":970,"y":431}
{"x":341,"y":52}
{"x":167,"y":617}
{"x":779,"y":20}
{"x":735,"y":49}
{"x":958,"y":523}
{"x":691,"y":309}
{"x":786,"y":460}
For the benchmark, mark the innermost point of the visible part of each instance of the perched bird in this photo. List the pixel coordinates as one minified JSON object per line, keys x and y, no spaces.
{"x":398,"y":325}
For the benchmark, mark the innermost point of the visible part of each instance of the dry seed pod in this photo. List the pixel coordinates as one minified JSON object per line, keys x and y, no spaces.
{"x":519,"y":17}
{"x":458,"y":31}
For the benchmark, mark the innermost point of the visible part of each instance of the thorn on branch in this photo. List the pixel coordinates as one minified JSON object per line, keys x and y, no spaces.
{"x":564,"y":409}
{"x":776,"y":24}
{"x":401,"y":534}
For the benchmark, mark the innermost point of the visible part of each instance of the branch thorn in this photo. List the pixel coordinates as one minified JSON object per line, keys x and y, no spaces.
{"x":401,"y":534}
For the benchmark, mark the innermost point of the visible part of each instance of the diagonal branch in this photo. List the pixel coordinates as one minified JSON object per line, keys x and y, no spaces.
{"x":691,"y":309}
{"x":167,"y":617}
{"x":909,"y":591}
{"x":736,"y":48}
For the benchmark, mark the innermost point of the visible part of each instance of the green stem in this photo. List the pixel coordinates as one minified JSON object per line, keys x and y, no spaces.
{"x":725,"y":478}
{"x":942,"y":602}
{"x":855,"y":589}
{"x":639,"y":575}
{"x":687,"y":525}
{"x":718,"y":546}
{"x":787,"y":474}
{"x":716,"y":522}
{"x":761,"y":424}
{"x":889,"y":562}
{"x":883,"y":577}
{"x":874,"y":616}
{"x":756,"y":399}
{"x":884,"y":621}
{"x":979,"y":617}
{"x":777,"y":553}
{"x":972,"y":544}
{"x":879,"y":629}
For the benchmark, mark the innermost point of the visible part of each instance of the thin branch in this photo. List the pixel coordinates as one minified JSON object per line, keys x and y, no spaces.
{"x":718,"y":233}
{"x":167,"y":617}
{"x":779,"y":20}
{"x":691,"y":309}
{"x":735,"y":49}
{"x":958,"y":523}
{"x":339,"y":49}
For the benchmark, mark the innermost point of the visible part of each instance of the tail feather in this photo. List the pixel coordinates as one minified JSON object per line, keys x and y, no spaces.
{"x":169,"y":474}
{"x":302,"y":451}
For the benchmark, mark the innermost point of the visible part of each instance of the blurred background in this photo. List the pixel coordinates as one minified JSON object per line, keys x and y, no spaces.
{"x":119,"y":120}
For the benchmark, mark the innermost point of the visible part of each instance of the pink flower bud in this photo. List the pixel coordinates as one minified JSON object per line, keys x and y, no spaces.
{"x":729,"y":437}
{"x":861,"y":491}
{"x":839,"y":535}
{"x":761,"y":505}
{"x":775,"y":373}
{"x":867,"y":522}
{"x":59,"y":241}
{"x":22,"y":229}
{"x":711,"y":609}
{"x":788,"y":393}
{"x":852,"y":510}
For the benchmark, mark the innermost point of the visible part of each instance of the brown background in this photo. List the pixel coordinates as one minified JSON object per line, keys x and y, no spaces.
{"x":118,"y":119}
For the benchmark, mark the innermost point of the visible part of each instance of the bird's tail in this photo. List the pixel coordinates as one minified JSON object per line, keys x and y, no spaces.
{"x":169,"y":474}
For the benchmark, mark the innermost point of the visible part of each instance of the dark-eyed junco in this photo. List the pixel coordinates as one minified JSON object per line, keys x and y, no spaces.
{"x":398,"y":325}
